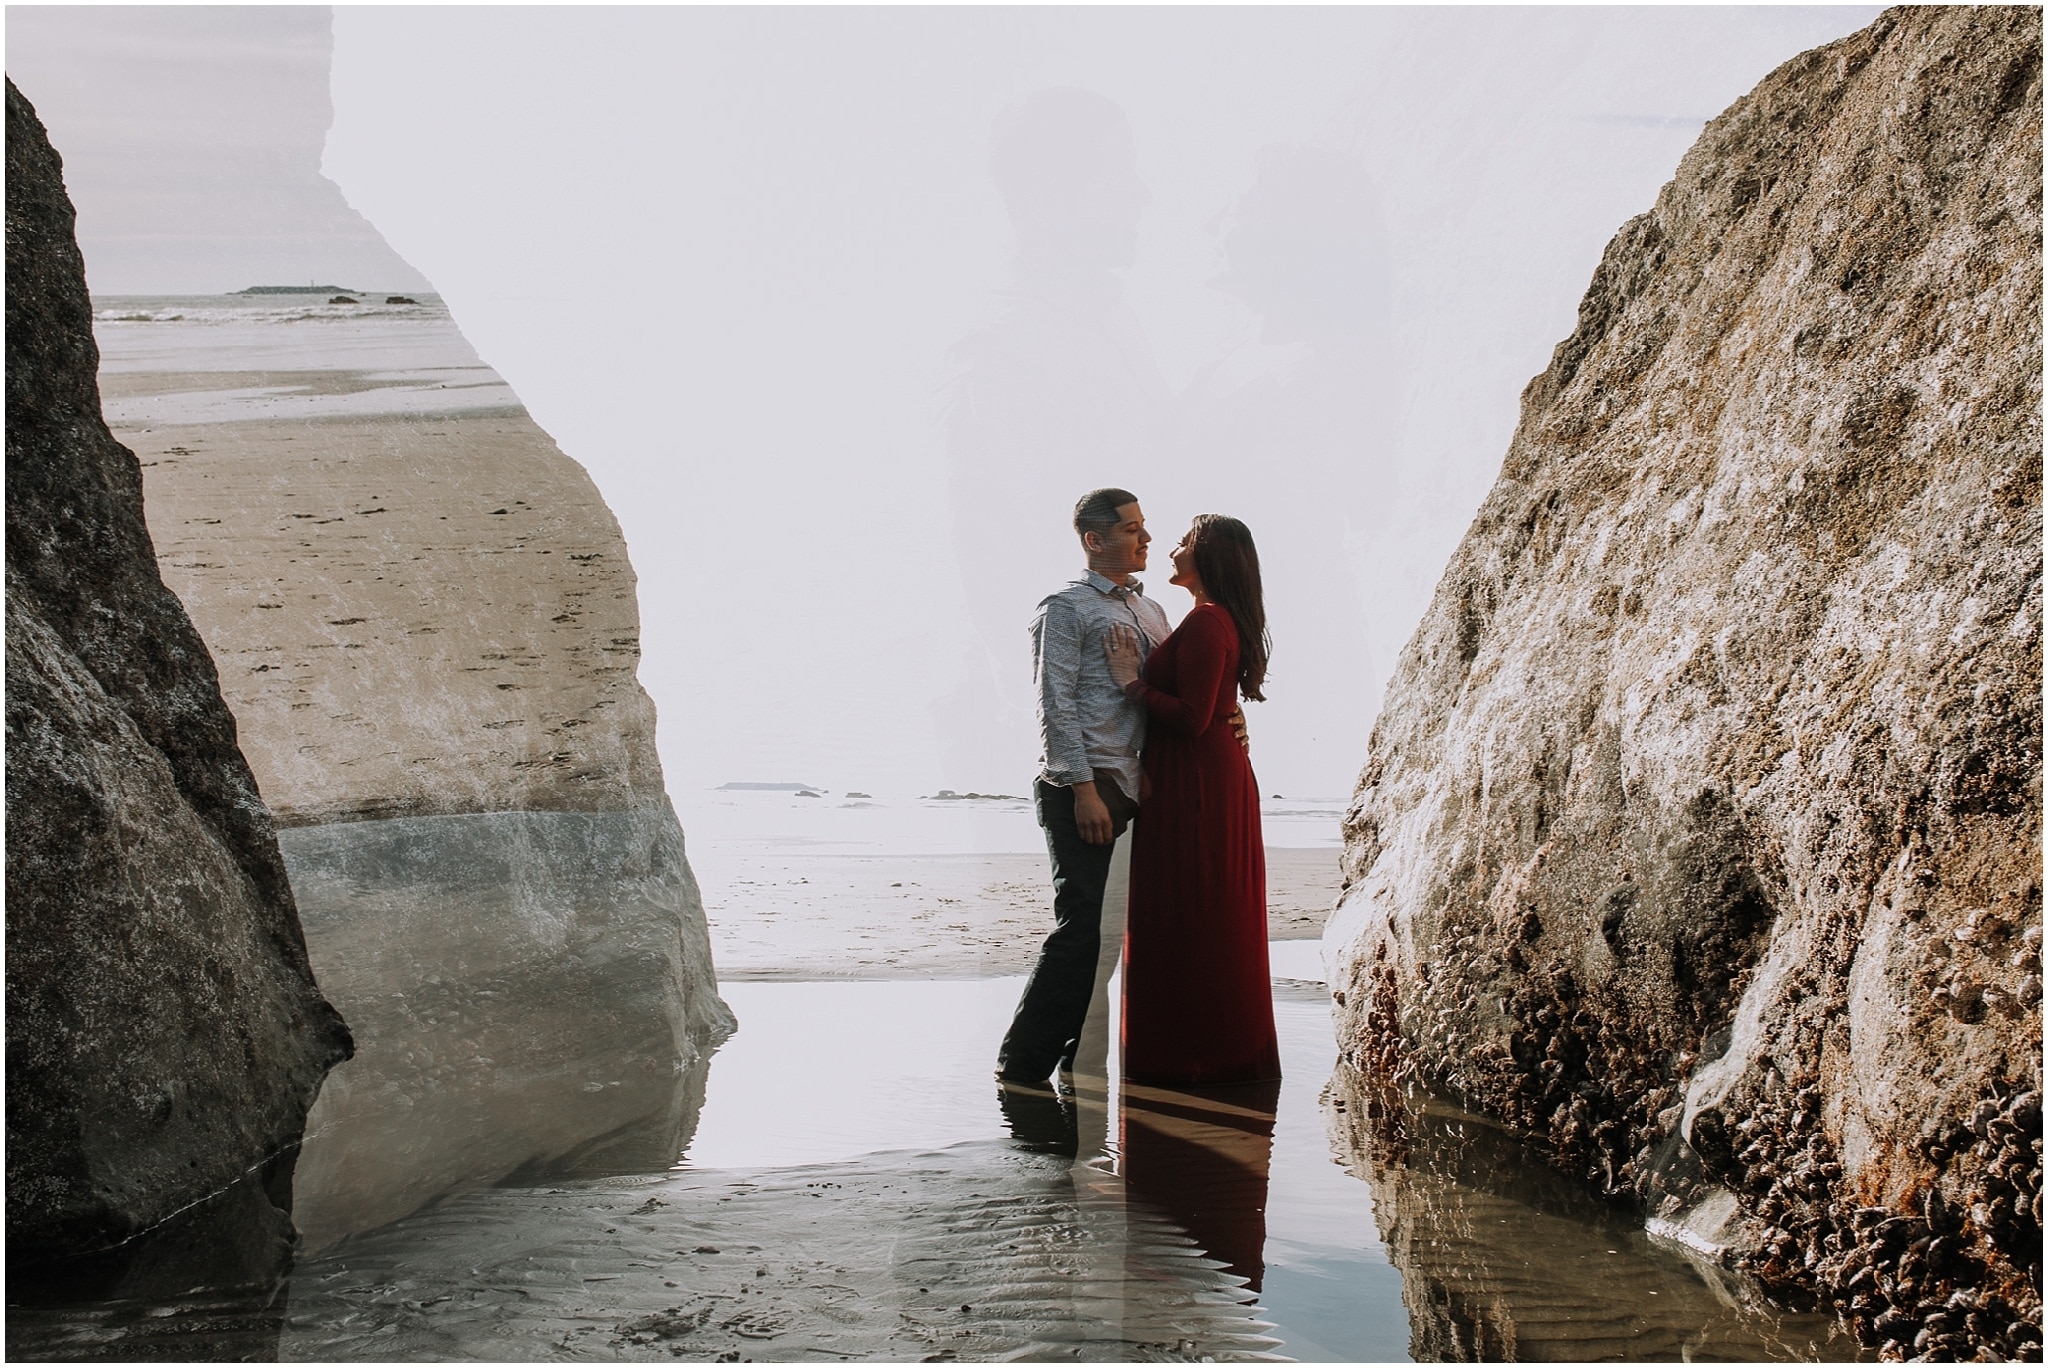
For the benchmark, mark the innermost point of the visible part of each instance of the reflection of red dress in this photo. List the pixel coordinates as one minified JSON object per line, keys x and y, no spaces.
{"x":1198,"y":996}
{"x":1201,"y":1154}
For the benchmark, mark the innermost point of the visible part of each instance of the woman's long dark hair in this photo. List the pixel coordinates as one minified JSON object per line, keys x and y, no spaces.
{"x":1228,"y":564}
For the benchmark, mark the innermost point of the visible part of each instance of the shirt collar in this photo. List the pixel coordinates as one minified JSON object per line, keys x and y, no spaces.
{"x":1104,"y":585}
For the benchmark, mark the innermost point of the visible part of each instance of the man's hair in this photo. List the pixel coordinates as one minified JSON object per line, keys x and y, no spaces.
{"x":1097,"y":510}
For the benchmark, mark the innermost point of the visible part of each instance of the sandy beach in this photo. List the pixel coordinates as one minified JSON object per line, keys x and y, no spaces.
{"x":789,"y":915}
{"x":405,"y":554}
{"x":416,"y":603}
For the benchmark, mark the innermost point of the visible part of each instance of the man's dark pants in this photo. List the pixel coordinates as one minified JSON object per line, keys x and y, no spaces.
{"x":1055,"y":1004}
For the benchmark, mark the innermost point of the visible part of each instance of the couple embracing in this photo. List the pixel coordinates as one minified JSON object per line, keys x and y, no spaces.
{"x":1140,"y":722}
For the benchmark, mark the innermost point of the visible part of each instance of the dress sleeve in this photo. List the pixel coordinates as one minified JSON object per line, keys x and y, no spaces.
{"x":1204,"y":680}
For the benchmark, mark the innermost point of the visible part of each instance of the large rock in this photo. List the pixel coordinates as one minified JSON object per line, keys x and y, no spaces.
{"x":532,"y":1005}
{"x":428,"y":631}
{"x":1700,"y":832}
{"x":164,"y":1034}
{"x":414,"y":614}
{"x":427,"y":628}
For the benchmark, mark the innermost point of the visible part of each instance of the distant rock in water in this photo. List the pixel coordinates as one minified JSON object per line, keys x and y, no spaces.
{"x":164,"y":1034}
{"x":1700,"y":832}
{"x":341,"y":299}
{"x":400,"y":299}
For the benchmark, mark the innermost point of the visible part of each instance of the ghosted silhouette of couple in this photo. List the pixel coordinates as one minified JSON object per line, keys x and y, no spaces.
{"x":1288,"y":424}
{"x":1140,"y":729}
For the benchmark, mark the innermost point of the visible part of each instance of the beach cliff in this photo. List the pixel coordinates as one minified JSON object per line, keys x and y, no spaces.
{"x":165,"y":1037}
{"x":427,"y":629}
{"x":1699,"y":835}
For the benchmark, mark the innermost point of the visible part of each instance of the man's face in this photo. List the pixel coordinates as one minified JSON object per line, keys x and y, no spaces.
{"x":1120,"y":550}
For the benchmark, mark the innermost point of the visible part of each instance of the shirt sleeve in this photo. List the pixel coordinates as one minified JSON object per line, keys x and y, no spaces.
{"x":1204,"y":681}
{"x":1057,"y":638}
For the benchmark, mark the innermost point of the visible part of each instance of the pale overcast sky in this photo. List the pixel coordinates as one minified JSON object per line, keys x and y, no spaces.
{"x":191,"y":139}
{"x":841,"y":367}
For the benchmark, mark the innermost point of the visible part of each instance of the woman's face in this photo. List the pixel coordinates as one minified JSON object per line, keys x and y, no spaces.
{"x":1183,"y":558}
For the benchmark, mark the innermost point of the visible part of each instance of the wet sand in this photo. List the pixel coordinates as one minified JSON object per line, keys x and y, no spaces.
{"x":975,"y":1252}
{"x":1011,"y":1243}
{"x":972,"y":1252}
{"x":788,"y":915}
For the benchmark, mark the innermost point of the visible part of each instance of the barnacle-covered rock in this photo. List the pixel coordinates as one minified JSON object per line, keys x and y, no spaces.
{"x":1700,"y":831}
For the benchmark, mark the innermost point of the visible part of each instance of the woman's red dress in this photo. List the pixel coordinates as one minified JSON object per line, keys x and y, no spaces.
{"x":1198,"y":995}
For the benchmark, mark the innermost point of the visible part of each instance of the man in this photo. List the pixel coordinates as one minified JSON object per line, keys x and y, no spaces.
{"x":1087,"y":789}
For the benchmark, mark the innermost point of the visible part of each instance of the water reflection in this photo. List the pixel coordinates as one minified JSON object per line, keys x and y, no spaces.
{"x":1041,"y":1120}
{"x":1083,"y":1222}
{"x":1504,"y":1257}
{"x":209,"y":1277}
{"x":1203,"y":1157}
{"x":977,"y":1251}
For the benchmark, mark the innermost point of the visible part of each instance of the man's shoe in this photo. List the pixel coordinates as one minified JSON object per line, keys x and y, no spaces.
{"x":1011,"y":1076}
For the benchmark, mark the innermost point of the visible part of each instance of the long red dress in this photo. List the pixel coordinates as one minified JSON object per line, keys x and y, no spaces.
{"x":1198,"y":995}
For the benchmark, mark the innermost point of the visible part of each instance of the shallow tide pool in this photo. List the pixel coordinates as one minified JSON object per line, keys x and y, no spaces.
{"x":857,"y":1187}
{"x":803,"y":1084}
{"x":823,"y":1073}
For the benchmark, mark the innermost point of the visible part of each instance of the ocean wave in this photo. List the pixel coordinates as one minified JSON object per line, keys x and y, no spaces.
{"x":333,"y":313}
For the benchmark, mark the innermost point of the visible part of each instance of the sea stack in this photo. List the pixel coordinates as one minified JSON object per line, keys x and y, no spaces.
{"x":1699,"y":836}
{"x":427,"y":629}
{"x":165,"y":1037}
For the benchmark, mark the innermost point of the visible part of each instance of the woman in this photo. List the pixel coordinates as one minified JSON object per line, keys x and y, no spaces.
{"x":1198,"y":998}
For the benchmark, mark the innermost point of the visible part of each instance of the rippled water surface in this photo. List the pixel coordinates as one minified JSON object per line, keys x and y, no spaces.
{"x":917,"y":1071}
{"x":857,"y":1187}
